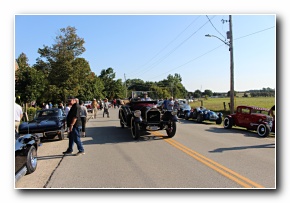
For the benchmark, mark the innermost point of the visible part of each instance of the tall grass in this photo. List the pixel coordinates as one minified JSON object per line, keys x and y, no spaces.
{"x":217,"y":104}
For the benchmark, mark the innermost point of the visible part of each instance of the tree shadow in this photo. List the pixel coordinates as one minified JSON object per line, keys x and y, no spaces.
{"x":114,"y":135}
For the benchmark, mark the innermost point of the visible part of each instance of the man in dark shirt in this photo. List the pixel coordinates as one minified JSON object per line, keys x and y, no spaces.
{"x":74,"y":123}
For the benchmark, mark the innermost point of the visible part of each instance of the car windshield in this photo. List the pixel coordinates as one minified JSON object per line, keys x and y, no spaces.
{"x":256,"y":111}
{"x":46,"y":113}
{"x":141,"y":94}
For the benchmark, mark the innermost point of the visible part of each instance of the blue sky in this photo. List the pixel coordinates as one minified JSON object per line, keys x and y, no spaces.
{"x":150,"y":47}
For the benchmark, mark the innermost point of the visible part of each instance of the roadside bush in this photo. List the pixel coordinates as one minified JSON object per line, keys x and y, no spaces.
{"x":31,"y":112}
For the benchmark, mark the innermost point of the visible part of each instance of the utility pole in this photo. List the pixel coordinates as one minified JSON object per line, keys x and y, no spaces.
{"x":125,"y":85}
{"x":231,"y":49}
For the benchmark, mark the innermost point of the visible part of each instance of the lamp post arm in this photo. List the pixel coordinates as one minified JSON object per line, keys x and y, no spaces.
{"x":227,"y":43}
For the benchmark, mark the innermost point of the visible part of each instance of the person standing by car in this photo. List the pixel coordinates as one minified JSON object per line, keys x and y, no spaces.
{"x":84,"y":114}
{"x":170,"y":104}
{"x":18,"y":114}
{"x":106,"y":108}
{"x":66,"y":110}
{"x":94,"y":106}
{"x":74,"y":123}
{"x":272,"y":112}
{"x":164,"y":104}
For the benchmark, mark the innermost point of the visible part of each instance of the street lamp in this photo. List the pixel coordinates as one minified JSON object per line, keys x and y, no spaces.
{"x":231,"y":49}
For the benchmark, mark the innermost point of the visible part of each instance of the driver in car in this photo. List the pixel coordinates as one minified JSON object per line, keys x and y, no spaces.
{"x":145,"y":97}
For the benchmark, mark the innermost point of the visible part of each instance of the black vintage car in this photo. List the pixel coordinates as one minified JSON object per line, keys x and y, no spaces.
{"x":202,"y":114}
{"x":26,"y":147}
{"x":143,"y":115}
{"x":49,"y":122}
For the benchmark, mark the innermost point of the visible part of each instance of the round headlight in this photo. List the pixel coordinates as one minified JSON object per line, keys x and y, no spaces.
{"x":137,"y":113}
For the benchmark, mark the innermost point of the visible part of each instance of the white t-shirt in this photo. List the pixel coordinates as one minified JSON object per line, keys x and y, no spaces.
{"x":170,"y":104}
{"x":17,"y":112}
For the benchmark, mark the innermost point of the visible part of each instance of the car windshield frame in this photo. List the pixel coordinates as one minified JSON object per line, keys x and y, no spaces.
{"x":47,"y":113}
{"x":140,"y":94}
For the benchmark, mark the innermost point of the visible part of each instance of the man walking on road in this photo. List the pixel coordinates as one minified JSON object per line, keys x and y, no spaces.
{"x":74,"y":123}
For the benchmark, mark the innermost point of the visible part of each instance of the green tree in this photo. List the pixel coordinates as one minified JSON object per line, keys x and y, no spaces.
{"x":208,"y":93}
{"x":29,"y":83}
{"x":63,"y":66}
{"x":112,"y":88}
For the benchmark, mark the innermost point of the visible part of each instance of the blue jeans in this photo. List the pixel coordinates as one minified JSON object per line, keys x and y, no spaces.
{"x":74,"y":137}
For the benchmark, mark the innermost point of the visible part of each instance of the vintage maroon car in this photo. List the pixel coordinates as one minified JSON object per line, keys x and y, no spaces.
{"x":252,"y":118}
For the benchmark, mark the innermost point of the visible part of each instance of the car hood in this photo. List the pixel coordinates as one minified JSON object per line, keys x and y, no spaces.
{"x":38,"y":125}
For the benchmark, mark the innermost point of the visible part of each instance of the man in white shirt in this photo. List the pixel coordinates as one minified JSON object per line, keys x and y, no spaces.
{"x":18,"y":114}
{"x":170,"y":104}
{"x":146,"y":98}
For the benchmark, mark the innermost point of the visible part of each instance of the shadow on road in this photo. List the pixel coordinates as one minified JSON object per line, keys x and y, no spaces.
{"x":243,"y":147}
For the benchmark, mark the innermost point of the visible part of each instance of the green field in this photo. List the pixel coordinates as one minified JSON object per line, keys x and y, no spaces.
{"x":217,"y":104}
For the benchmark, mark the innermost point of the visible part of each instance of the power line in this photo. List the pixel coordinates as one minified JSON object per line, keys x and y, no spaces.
{"x":215,"y":27}
{"x":209,"y":52}
{"x":137,"y":70}
{"x":169,"y":53}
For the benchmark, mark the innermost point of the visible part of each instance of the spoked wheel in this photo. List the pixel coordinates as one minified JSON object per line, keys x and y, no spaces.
{"x":135,"y":129}
{"x":171,"y":130}
{"x":31,"y":162}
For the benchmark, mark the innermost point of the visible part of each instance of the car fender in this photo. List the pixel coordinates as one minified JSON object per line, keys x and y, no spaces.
{"x":174,"y":118}
{"x":137,"y":119}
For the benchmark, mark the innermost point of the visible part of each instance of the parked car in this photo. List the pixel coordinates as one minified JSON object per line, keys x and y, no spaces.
{"x":252,"y":118}
{"x":49,"y":122}
{"x":88,"y":105}
{"x":183,"y":110}
{"x":201,"y":114}
{"x":26,"y":147}
{"x":141,"y":116}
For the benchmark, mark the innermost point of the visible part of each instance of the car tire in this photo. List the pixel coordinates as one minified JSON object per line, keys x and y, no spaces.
{"x":218,"y":121}
{"x":228,"y":122}
{"x":186,"y":116}
{"x":121,"y":118}
{"x":263,"y":130}
{"x":31,"y":161}
{"x":199,"y":118}
{"x":61,"y":135}
{"x":121,"y":123}
{"x":135,"y":129}
{"x":171,"y":130}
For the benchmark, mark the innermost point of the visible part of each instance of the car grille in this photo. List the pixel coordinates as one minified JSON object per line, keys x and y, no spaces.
{"x":153,"y":116}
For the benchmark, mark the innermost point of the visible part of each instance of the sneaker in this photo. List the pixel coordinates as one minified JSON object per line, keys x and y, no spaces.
{"x":80,"y":153}
{"x":67,"y":152}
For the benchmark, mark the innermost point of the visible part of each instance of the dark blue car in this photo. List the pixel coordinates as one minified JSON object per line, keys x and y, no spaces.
{"x":50,"y":123}
{"x":202,"y":114}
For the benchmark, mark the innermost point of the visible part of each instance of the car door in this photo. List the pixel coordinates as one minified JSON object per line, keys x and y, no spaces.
{"x":244,"y":117}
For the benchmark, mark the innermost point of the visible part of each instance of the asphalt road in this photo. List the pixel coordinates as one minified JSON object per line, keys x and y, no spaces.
{"x":198,"y":156}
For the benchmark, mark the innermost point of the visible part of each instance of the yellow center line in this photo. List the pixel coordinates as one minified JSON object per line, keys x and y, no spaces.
{"x":241,"y":180}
